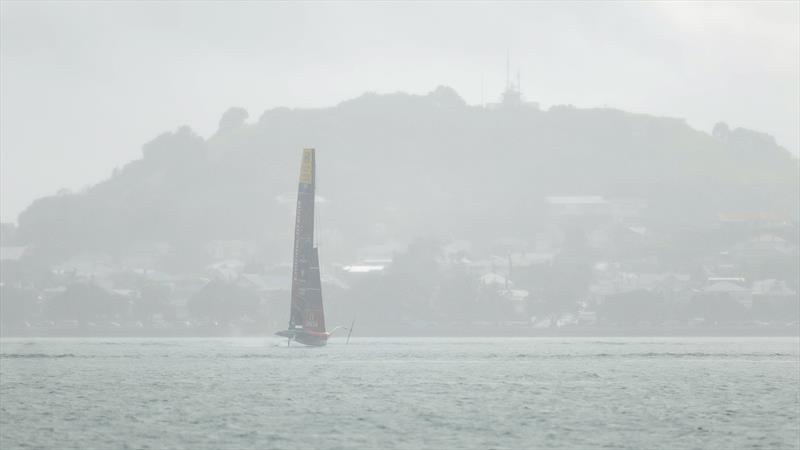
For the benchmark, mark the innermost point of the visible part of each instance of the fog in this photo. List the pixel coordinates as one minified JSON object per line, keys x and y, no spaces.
{"x":482,"y":169}
{"x":421,"y":225}
{"x":85,"y":84}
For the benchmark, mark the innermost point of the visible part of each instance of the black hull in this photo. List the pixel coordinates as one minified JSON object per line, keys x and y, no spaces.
{"x":309,"y":339}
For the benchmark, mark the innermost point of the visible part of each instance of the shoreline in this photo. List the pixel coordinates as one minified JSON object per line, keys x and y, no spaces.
{"x":449,"y":332}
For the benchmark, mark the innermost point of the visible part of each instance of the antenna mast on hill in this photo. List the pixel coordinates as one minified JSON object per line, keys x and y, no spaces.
{"x":508,"y":69}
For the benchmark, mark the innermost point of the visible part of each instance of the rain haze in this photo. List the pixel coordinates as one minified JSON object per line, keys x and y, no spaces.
{"x":85,"y":84}
{"x":455,"y":225}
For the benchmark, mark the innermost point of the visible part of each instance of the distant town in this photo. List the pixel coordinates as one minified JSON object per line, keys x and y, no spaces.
{"x":593,"y":269}
{"x":468,"y":227}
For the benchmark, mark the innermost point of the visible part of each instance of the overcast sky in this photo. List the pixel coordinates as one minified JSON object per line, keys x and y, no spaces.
{"x":84,"y":85}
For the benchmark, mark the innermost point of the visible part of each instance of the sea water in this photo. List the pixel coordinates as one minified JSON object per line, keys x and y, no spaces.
{"x":244,"y":393}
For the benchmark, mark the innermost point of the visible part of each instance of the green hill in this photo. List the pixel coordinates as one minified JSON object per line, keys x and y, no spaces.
{"x":397,"y":166}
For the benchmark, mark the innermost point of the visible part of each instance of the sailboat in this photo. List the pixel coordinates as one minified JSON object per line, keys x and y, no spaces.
{"x":307,"y":316}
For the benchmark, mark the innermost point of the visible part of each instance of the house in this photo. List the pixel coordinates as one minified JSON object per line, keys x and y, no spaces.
{"x":507,"y":264}
{"x":456,"y":251}
{"x":380,"y":252}
{"x":578,"y":206}
{"x":764,"y":246}
{"x":12,"y":253}
{"x":587,"y":317}
{"x":227,"y":270}
{"x":369,"y":266}
{"x":775,"y":301}
{"x":771,"y":290}
{"x":493,"y":279}
{"x":628,"y":210}
{"x":754,"y":220}
{"x":97,"y":268}
{"x":518,"y":299}
{"x":229,"y":249}
{"x":264,"y":283}
{"x":658,"y":282}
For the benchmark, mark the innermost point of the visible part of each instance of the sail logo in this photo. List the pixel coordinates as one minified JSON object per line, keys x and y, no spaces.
{"x":307,"y":166}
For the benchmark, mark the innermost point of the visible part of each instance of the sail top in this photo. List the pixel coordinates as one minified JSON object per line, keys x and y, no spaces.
{"x":307,"y":174}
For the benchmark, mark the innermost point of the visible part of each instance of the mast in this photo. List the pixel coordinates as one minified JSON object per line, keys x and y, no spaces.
{"x":508,"y":69}
{"x":307,"y":312}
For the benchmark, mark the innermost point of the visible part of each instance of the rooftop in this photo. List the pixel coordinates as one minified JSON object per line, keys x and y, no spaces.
{"x":12,"y":253}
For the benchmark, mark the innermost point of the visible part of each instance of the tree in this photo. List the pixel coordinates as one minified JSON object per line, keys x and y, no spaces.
{"x":16,"y":305}
{"x":635,"y":306}
{"x":86,"y":302}
{"x":569,"y":276}
{"x":232,"y":119}
{"x":716,"y":307}
{"x":153,"y":299}
{"x":721,"y":131}
{"x":224,"y":302}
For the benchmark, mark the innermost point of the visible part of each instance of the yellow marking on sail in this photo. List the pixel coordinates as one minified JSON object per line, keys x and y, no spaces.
{"x":306,"y":168}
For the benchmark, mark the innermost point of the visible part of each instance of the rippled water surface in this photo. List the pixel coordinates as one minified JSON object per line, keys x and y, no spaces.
{"x":400,"y":393}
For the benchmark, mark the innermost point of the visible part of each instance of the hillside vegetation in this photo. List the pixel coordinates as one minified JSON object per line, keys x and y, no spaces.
{"x":398,"y":166}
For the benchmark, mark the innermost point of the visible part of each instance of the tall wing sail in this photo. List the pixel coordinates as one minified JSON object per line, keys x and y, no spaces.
{"x":306,"y":309}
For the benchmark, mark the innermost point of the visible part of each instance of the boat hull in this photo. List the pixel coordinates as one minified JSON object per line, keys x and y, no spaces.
{"x":309,"y":338}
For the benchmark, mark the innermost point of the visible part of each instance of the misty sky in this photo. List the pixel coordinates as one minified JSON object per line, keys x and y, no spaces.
{"x":84,"y":85}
